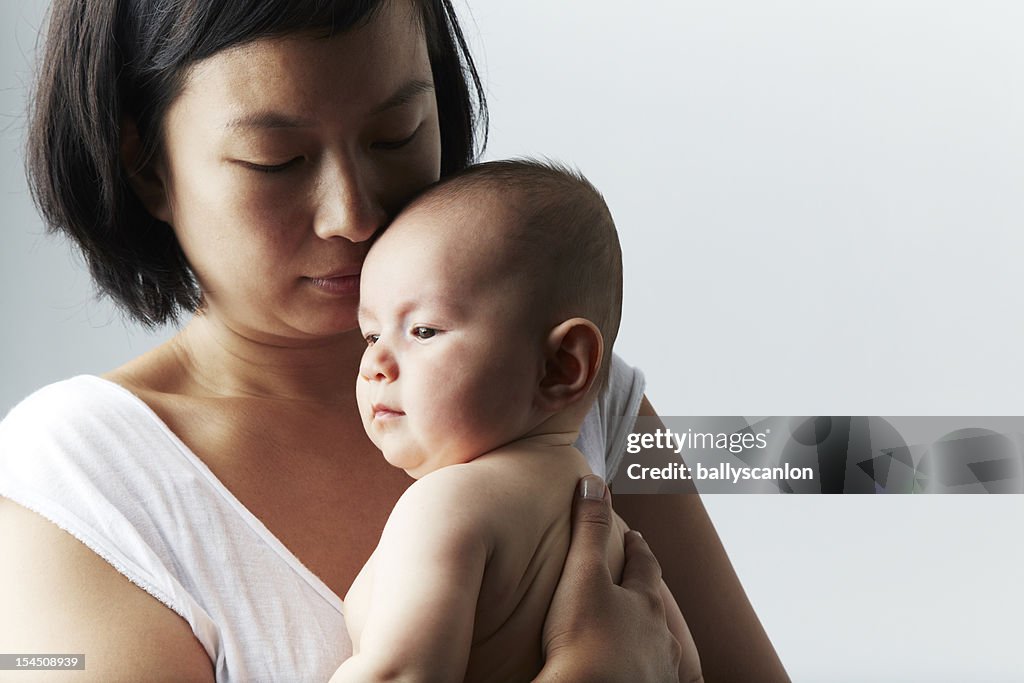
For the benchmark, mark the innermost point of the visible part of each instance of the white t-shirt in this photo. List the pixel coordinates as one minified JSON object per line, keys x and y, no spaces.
{"x":92,"y":458}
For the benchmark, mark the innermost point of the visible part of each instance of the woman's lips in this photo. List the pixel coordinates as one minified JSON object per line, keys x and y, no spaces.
{"x":344,"y":285}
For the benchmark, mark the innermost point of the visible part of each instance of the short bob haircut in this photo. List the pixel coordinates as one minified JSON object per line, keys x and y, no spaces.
{"x":105,"y":60}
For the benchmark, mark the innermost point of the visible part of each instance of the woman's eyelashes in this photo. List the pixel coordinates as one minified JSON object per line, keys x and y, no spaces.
{"x":387,"y":145}
{"x":271,"y":168}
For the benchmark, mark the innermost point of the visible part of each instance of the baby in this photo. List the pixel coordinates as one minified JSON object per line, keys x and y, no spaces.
{"x":489,"y":308}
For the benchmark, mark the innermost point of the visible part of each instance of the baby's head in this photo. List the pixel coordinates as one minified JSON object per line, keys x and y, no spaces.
{"x":489,"y":308}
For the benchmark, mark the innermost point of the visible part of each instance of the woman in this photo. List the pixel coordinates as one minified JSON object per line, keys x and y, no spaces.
{"x":235,"y":159}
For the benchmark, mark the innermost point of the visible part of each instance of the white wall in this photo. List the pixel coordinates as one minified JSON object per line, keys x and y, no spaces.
{"x":820,"y":207}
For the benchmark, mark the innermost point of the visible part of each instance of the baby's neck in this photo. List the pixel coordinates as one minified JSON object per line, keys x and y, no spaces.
{"x":562,"y":428}
{"x":548,"y":439}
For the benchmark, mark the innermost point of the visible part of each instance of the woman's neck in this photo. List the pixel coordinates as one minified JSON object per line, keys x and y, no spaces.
{"x":224,"y":362}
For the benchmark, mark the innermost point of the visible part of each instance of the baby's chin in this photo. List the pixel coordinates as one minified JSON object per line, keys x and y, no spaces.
{"x":418,"y":471}
{"x":417,"y":466}
{"x":413,"y":465}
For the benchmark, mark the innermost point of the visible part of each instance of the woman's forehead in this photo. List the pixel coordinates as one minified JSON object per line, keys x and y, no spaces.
{"x":365,"y":67}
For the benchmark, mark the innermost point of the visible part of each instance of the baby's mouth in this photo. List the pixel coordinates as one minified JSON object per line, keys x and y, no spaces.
{"x":382,"y":412}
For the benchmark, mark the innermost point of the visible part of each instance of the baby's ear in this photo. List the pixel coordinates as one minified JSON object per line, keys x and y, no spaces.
{"x":572,"y":358}
{"x":146,"y":181}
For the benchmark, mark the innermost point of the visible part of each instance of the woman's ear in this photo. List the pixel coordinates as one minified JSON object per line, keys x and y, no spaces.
{"x":572,"y":358}
{"x":146,"y":181}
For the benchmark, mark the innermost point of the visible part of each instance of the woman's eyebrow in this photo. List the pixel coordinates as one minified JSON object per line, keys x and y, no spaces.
{"x":404,"y":95}
{"x":268,"y":119}
{"x":273,"y":119}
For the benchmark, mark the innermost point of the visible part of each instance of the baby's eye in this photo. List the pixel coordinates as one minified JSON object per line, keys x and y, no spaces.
{"x":423,"y":332}
{"x":371,"y":339}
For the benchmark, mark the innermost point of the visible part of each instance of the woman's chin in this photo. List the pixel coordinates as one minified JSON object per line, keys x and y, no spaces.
{"x":334,"y":321}
{"x":323,"y":325}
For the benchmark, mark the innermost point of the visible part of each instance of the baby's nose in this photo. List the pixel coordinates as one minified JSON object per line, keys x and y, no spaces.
{"x":378,"y":364}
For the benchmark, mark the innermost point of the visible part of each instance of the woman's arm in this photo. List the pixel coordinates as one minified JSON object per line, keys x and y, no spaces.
{"x":733,"y":646}
{"x":59,"y":597}
{"x":597,"y":631}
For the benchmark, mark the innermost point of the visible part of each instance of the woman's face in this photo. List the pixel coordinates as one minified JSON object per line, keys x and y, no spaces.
{"x":282,"y":157}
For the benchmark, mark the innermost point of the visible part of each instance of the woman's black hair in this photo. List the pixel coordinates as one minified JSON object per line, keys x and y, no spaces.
{"x":108,"y":60}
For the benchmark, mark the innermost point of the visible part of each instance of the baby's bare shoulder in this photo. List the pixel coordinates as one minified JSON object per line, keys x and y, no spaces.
{"x":455,"y":500}
{"x":457,"y":485}
{"x":487,"y":495}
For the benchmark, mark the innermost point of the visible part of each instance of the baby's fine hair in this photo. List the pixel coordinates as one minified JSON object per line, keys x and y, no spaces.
{"x":564,"y":233}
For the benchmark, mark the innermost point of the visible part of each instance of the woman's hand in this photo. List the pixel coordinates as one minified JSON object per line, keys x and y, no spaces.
{"x":598,"y":631}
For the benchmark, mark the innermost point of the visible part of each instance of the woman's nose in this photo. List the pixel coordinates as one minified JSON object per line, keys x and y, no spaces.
{"x":348,"y":203}
{"x":378,"y":364}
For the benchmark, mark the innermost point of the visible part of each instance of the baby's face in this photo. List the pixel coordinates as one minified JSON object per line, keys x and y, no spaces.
{"x":453,"y":356}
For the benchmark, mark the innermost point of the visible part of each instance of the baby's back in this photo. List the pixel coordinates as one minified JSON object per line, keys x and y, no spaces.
{"x":478,"y":544}
{"x":528,"y":516}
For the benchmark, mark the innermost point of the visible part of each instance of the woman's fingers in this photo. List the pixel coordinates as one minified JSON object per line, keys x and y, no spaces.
{"x":595,"y":629}
{"x":586,"y":589}
{"x":641,"y":577}
{"x":591,"y":529}
{"x":641,"y":573}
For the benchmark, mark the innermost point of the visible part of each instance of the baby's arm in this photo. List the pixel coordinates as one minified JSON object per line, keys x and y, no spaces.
{"x":426,"y":579}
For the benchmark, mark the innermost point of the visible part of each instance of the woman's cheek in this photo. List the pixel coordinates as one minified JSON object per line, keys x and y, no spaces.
{"x":267,"y":213}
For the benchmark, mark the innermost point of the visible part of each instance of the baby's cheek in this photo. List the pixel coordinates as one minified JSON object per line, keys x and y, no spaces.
{"x":488,"y":408}
{"x":362,"y":400}
{"x":469,"y":394}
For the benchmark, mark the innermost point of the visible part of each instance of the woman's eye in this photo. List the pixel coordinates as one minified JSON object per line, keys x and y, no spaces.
{"x":422,"y":332}
{"x":395,"y":144}
{"x":371,"y":339}
{"x":271,"y":168}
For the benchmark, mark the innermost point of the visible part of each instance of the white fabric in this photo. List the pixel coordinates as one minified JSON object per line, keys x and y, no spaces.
{"x":605,"y":429}
{"x":94,"y":459}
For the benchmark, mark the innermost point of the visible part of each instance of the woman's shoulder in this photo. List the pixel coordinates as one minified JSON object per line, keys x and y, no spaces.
{"x":623,"y":392}
{"x":71,"y":453}
{"x":68,"y":401}
{"x":85,"y":425}
{"x":605,"y":428}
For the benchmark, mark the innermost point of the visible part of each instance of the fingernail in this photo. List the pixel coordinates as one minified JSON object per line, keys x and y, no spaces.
{"x":638,"y":534}
{"x":592,"y":487}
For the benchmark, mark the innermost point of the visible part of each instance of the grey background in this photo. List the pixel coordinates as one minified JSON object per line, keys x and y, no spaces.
{"x":820,"y":207}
